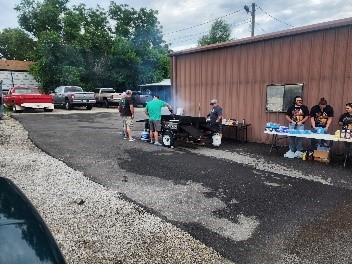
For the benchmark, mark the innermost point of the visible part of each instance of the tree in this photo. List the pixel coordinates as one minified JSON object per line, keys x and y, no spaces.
{"x":79,"y":46}
{"x":220,"y":32}
{"x":16,"y":44}
{"x":142,"y":30}
{"x":36,"y":17}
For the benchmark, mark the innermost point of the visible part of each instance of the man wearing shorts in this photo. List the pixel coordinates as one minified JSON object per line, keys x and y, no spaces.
{"x":126,"y":110}
{"x":153,"y":110}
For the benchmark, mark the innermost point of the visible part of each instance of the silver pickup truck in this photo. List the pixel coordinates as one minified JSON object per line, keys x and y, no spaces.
{"x":107,"y":97}
{"x":71,"y":96}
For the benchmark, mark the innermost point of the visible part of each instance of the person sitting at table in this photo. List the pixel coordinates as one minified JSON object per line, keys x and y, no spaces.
{"x":297,"y":114}
{"x":345,"y":121}
{"x":321,"y":115}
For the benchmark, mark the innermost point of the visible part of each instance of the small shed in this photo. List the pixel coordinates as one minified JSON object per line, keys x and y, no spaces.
{"x":255,"y":78}
{"x":15,"y":72}
{"x":162,"y":89}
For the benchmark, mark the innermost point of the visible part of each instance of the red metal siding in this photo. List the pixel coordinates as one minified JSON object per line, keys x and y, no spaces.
{"x":238,"y":75}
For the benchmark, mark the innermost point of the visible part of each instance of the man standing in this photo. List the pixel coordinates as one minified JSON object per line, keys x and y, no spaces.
{"x":297,"y":114}
{"x":215,"y":116}
{"x":153,"y":110}
{"x":321,"y":115}
{"x":126,"y":110}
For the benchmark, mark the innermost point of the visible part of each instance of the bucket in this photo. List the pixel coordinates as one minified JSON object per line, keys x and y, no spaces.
{"x":216,"y":139}
{"x":145,"y":136}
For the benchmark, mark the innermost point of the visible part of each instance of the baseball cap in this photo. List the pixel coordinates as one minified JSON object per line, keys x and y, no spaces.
{"x":213,"y":101}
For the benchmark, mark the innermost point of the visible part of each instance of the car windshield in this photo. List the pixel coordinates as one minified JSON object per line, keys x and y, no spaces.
{"x":24,"y":90}
{"x":73,"y":89}
{"x":108,"y":91}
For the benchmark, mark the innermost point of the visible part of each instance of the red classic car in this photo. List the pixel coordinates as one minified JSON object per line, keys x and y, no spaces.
{"x":22,"y":97}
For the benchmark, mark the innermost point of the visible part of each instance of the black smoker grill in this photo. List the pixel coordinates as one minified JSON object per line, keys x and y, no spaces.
{"x":189,"y":128}
{"x":174,"y":127}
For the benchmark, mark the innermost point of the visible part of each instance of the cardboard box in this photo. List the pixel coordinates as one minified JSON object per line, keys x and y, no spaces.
{"x":321,"y":156}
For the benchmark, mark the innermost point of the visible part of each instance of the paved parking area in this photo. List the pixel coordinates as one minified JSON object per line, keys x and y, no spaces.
{"x":249,"y":207}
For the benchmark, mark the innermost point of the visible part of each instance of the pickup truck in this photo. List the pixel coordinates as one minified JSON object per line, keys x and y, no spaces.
{"x":107,"y":97}
{"x":71,"y":96}
{"x":22,"y":97}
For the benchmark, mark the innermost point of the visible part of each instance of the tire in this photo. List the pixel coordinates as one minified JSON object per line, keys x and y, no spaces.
{"x":48,"y":110}
{"x":89,"y":107}
{"x":68,"y":105}
{"x":14,"y":108}
{"x":106,"y":103}
{"x":167,"y":139}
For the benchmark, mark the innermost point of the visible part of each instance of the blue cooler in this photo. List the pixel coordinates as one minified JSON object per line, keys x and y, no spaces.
{"x":145,"y":136}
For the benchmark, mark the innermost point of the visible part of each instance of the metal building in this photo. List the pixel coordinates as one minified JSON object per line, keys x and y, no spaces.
{"x":240,"y":73}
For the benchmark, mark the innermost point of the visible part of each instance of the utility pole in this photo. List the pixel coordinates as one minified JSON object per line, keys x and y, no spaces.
{"x":253,"y":16}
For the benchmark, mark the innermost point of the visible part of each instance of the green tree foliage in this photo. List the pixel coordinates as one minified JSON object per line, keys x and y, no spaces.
{"x":91,"y":47}
{"x":16,"y":44}
{"x":220,"y":32}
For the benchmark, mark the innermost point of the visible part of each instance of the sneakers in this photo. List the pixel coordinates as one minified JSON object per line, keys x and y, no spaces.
{"x":298,"y":154}
{"x":289,"y":154}
{"x":131,"y":139}
{"x":151,"y":142}
{"x":157,"y":144}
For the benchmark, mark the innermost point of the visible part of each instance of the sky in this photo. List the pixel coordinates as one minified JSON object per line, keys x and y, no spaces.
{"x":184,"y":22}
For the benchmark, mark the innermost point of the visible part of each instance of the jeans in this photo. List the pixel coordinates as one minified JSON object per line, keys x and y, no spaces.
{"x":296,"y":142}
{"x":314,"y":142}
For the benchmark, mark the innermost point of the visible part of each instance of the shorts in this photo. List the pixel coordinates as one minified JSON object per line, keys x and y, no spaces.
{"x":155,"y":125}
{"x":127,"y":121}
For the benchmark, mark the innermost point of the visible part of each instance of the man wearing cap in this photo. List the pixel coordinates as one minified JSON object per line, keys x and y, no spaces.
{"x":126,"y":110}
{"x":215,"y":117}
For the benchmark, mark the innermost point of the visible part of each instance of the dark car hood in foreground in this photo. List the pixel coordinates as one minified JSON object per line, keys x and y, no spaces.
{"x":24,"y":237}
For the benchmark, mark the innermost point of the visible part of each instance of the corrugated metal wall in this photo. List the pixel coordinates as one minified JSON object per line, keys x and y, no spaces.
{"x":238,"y":75}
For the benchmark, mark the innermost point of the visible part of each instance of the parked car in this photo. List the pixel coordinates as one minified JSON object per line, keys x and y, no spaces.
{"x":24,"y":237}
{"x":20,"y":98}
{"x":71,"y":96}
{"x":107,"y":97}
{"x":140,"y":98}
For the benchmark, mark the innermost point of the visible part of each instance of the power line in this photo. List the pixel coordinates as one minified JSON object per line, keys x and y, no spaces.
{"x":274,"y":17}
{"x":261,"y":27}
{"x":204,"y":32}
{"x":204,"y":23}
{"x":192,"y":37}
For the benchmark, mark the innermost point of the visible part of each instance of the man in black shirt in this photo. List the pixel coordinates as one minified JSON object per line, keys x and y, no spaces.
{"x":321,"y":115}
{"x":126,"y":110}
{"x":297,"y":114}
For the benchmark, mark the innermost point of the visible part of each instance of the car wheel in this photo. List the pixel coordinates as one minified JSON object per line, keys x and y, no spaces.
{"x":106,"y":103}
{"x":68,"y":105}
{"x":14,"y":108}
{"x":167,"y":139}
{"x":89,"y":107}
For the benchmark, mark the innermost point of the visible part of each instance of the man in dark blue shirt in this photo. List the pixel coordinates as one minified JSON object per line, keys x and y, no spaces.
{"x":215,"y":117}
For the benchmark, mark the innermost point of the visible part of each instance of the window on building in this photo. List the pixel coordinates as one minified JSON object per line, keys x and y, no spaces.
{"x":280,"y":96}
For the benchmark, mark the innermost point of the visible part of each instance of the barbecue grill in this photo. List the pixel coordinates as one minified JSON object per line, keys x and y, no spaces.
{"x":176,"y":127}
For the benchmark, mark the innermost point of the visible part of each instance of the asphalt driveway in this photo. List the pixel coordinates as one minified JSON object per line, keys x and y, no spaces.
{"x":248,"y":206}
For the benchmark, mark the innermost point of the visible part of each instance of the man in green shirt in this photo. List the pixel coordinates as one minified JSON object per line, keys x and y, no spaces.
{"x":153,"y":110}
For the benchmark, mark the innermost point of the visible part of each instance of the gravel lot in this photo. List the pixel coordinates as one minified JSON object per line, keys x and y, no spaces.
{"x":90,"y":223}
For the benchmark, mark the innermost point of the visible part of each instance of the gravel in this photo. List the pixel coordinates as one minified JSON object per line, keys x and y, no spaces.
{"x":91,"y":223}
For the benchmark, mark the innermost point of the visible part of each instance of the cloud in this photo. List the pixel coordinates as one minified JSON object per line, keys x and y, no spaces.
{"x":184,"y":22}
